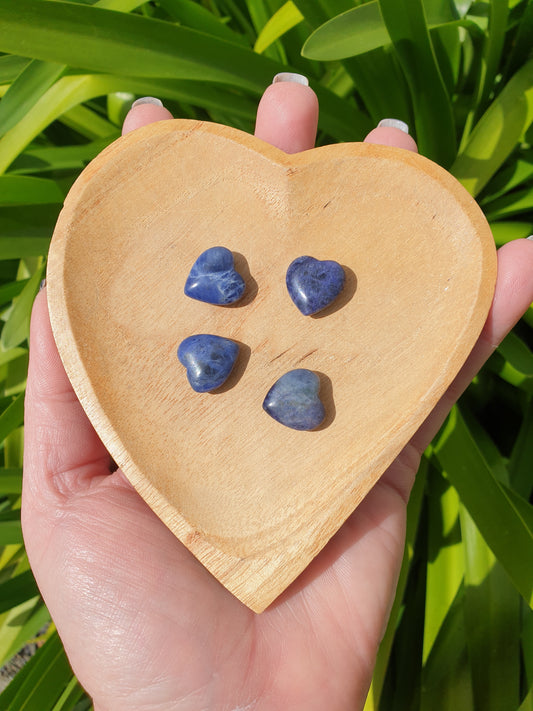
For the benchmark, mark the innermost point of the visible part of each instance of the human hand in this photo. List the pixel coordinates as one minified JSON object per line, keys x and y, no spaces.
{"x":144,"y":624}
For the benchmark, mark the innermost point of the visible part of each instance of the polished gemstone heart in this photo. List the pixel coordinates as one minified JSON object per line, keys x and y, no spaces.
{"x":293,"y":400}
{"x":209,"y":360}
{"x":255,"y":501}
{"x":213,"y":278}
{"x":313,"y":284}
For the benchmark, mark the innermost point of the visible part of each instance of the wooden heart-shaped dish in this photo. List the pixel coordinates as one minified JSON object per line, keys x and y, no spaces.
{"x":253,"y":500}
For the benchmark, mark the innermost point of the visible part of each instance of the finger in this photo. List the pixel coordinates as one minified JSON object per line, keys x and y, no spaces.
{"x":62,"y":452}
{"x":512,"y":296}
{"x":287,"y":115}
{"x":144,"y":111}
{"x":392,"y":132}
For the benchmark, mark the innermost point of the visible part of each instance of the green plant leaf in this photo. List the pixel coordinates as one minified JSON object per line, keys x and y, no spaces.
{"x":7,"y":293}
{"x":521,"y":46}
{"x":89,"y":124}
{"x":20,"y":190}
{"x":97,"y":39}
{"x":10,"y":528}
{"x":406,"y":24}
{"x":30,"y":618}
{"x":492,"y":50}
{"x":17,"y":327}
{"x":10,"y":481}
{"x":135,"y":46}
{"x":362,"y":29}
{"x":287,"y":17}
{"x":498,"y":520}
{"x":509,"y":205}
{"x":516,"y":362}
{"x":17,"y":590}
{"x":11,"y":248}
{"x":504,"y":232}
{"x":11,"y":66}
{"x":197,"y":17}
{"x":446,"y":677}
{"x":70,"y":697}
{"x":12,"y":417}
{"x":492,"y":622}
{"x":414,"y":509}
{"x":509,"y":177}
{"x":32,"y":83}
{"x":445,"y":566}
{"x":41,"y":682}
{"x":522,"y":456}
{"x":497,"y":132}
{"x":61,"y":158}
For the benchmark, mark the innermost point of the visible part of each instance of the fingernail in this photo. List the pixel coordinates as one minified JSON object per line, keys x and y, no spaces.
{"x":291,"y":76}
{"x":394,"y":123}
{"x":147,"y":100}
{"x":42,"y":285}
{"x":530,"y":237}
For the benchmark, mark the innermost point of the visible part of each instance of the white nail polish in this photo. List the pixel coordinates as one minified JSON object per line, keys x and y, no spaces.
{"x":291,"y":76}
{"x":530,"y":237}
{"x":394,"y":123}
{"x":147,"y":100}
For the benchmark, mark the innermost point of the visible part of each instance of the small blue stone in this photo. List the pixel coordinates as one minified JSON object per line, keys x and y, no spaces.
{"x":213,"y":278}
{"x":293,"y":400}
{"x":313,"y":284}
{"x":209,"y":360}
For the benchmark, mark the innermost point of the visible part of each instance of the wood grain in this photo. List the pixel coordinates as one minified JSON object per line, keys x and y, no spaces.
{"x":253,"y":500}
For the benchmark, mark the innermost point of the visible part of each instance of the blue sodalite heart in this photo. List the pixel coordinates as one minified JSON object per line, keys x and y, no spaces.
{"x":213,"y":278}
{"x":313,"y":284}
{"x":209,"y":360}
{"x":293,"y":400}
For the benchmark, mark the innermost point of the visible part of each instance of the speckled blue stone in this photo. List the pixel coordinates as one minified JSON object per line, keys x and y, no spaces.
{"x":213,"y":278}
{"x":293,"y":400}
{"x":209,"y":360}
{"x":313,"y":284}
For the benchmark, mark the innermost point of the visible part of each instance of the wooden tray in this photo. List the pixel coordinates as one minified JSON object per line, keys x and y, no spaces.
{"x":253,"y":500}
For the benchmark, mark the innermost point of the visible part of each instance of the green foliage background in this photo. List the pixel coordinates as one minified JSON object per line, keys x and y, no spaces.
{"x":460,"y":72}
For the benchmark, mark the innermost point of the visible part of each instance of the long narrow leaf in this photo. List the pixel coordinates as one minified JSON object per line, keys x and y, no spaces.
{"x":197,"y":17}
{"x":287,"y":17}
{"x":97,"y":39}
{"x":446,"y":677}
{"x":11,"y":66}
{"x":36,"y":78}
{"x":19,"y":190}
{"x":497,"y":132}
{"x":510,"y":205}
{"x":12,"y":417}
{"x":522,"y":456}
{"x":499,"y":10}
{"x":499,"y":521}
{"x":41,"y":681}
{"x":135,"y":46}
{"x":10,"y":528}
{"x":406,"y":24}
{"x":507,"y":231}
{"x":516,"y":362}
{"x":17,"y":590}
{"x":17,"y":327}
{"x":414,"y":509}
{"x":492,"y":620}
{"x":10,"y":481}
{"x":445,"y":557}
{"x":361,"y":29}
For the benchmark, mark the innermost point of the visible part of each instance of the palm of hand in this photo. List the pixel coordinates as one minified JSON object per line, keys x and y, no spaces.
{"x":143,"y":623}
{"x":152,"y":628}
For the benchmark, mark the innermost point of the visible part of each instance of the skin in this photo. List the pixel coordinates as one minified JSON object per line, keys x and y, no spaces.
{"x":145,"y":626}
